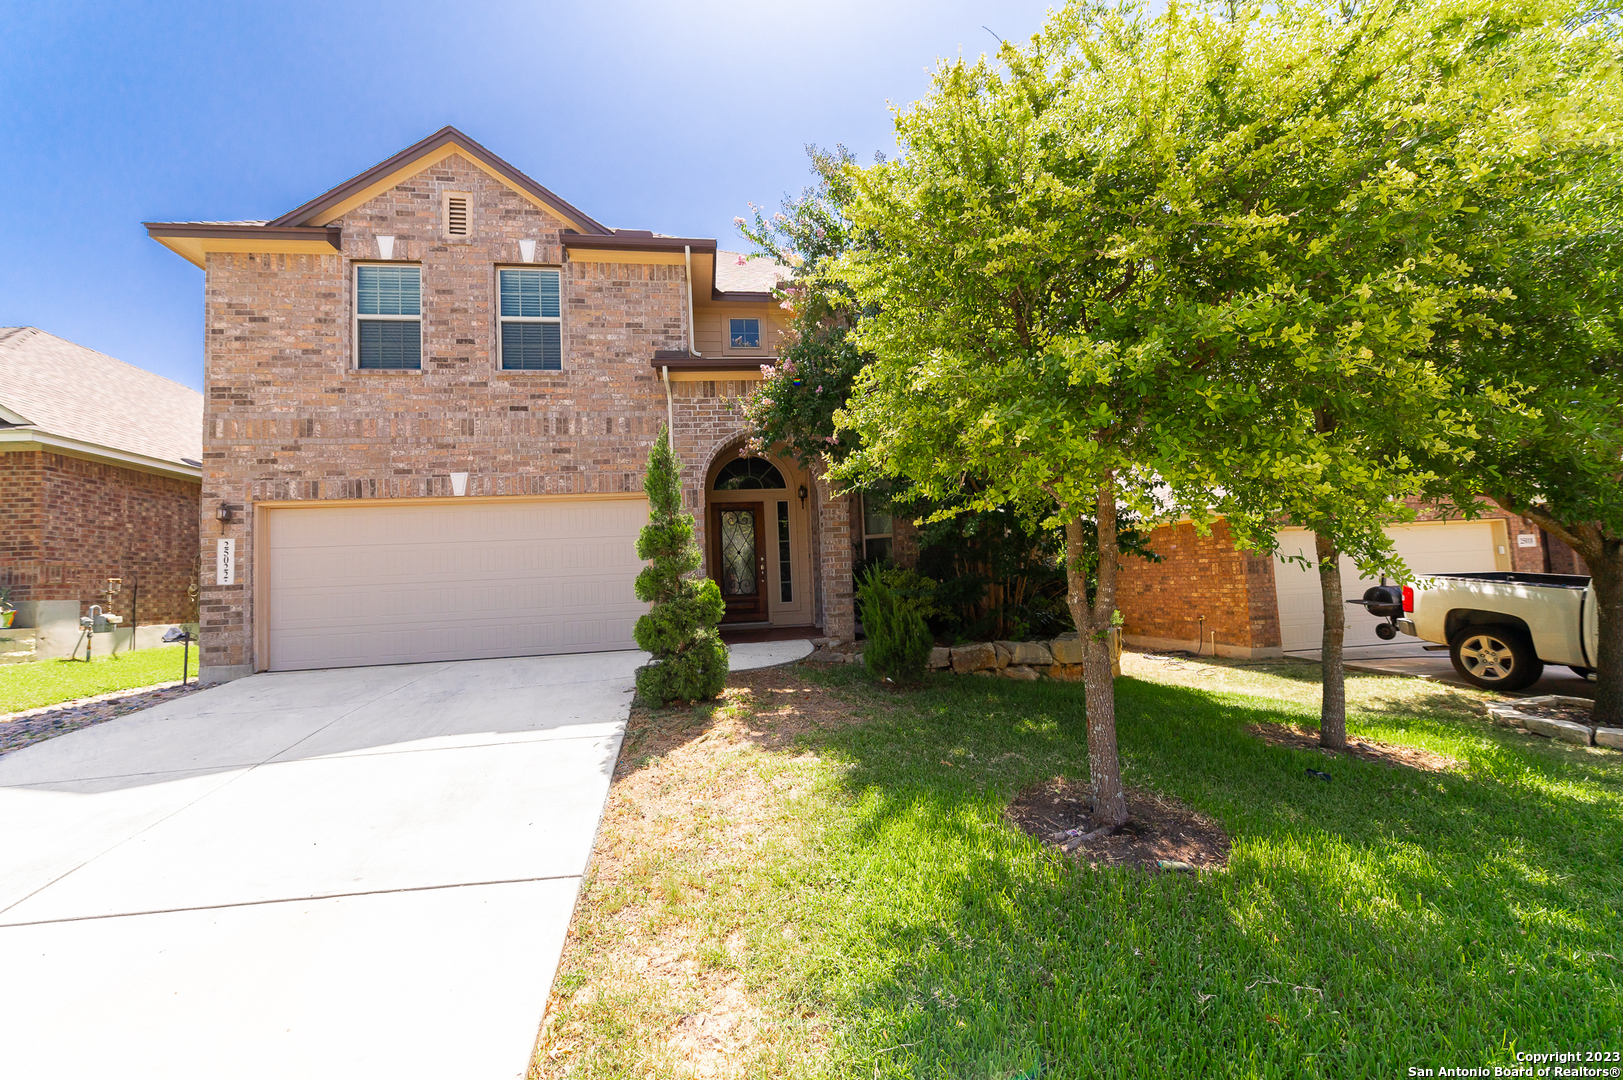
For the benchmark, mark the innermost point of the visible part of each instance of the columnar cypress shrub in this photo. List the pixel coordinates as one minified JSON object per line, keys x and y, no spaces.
{"x":690,"y":662}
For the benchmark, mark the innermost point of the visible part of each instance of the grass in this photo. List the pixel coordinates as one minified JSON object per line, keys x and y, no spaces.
{"x":880,"y":920}
{"x":46,"y":682}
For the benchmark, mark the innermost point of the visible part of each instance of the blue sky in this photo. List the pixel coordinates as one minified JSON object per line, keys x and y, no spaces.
{"x":668,"y":116}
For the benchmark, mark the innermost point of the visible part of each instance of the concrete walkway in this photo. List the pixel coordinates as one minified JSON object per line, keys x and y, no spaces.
{"x":345,"y":873}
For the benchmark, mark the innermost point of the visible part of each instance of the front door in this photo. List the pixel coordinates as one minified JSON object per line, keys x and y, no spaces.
{"x":740,"y":546}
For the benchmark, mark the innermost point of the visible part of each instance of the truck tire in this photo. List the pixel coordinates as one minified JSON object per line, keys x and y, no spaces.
{"x":1495,"y":657}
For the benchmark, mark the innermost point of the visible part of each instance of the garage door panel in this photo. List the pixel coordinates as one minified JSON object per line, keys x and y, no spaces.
{"x":379,"y":585}
{"x":1454,"y":547}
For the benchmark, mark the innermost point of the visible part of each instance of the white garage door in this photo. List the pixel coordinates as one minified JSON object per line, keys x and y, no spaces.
{"x":352,"y":585}
{"x":1453,"y":547}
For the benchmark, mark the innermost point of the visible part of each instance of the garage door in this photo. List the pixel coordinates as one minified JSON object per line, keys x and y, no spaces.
{"x":458,"y":580}
{"x":1454,"y":547}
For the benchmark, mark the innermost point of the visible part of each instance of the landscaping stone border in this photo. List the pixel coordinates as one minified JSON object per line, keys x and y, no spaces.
{"x":1511,"y":714}
{"x":1059,"y":659}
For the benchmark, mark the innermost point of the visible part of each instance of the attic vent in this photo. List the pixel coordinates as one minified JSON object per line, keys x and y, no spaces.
{"x":456,"y":214}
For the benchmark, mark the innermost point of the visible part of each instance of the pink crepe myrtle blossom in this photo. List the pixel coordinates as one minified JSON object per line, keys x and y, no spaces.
{"x":738,"y":221}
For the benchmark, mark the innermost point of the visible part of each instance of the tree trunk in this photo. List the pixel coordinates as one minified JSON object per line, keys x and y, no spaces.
{"x":1603,"y":551}
{"x":1333,"y":711}
{"x":1606,"y":575}
{"x":1093,"y":624}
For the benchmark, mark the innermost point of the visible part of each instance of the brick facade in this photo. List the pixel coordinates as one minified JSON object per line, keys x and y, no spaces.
{"x":290,"y":418}
{"x":70,"y":524}
{"x":1163,"y":603}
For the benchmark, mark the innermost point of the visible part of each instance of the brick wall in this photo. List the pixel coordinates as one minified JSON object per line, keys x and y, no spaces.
{"x":289,"y":418}
{"x":71,"y":524}
{"x":1162,"y":603}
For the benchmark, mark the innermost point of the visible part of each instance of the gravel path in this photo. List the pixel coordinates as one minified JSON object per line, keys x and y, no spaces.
{"x":21,"y":729}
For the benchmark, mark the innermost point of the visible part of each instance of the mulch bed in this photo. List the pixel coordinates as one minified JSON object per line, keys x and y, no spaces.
{"x":1162,"y":834}
{"x":21,"y":729}
{"x":1386,"y":754}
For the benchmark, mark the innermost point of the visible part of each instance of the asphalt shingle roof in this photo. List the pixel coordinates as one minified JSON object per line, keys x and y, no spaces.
{"x":741,"y":273}
{"x":78,"y":393}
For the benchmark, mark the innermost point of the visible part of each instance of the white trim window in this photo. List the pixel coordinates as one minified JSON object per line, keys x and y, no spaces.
{"x":388,"y":317}
{"x":744,"y":333}
{"x":531,"y":332}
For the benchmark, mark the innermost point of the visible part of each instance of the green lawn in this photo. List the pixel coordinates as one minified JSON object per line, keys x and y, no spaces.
{"x":888,"y":924}
{"x":45,"y":682}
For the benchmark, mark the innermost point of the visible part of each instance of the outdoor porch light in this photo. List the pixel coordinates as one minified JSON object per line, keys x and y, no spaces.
{"x":802,"y":494}
{"x":223,"y":513}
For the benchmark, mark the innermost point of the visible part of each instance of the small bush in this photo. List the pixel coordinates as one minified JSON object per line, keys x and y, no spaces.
{"x":899,"y":641}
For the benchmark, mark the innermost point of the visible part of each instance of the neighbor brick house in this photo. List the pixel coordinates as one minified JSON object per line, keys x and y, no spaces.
{"x":99,"y":479}
{"x":1208,"y":595}
{"x":430,"y":394}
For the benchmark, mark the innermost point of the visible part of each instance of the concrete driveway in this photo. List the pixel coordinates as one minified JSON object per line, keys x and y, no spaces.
{"x":1406,"y":656}
{"x":344,"y":873}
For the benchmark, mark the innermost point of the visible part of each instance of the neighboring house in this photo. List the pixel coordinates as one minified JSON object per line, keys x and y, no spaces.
{"x":1207,"y":595}
{"x":99,"y":478}
{"x":431,"y":393}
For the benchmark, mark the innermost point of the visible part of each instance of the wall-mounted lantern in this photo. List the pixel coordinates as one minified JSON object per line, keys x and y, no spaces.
{"x":802,"y":494}
{"x":222,"y":513}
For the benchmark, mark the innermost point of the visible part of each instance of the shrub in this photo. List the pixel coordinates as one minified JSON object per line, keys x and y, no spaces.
{"x":690,"y":661}
{"x":899,"y":642}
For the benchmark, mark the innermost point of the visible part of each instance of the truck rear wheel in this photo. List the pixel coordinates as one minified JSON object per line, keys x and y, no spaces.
{"x":1495,"y":657}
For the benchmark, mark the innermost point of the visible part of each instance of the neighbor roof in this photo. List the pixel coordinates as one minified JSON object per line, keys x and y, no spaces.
{"x":52,"y":387}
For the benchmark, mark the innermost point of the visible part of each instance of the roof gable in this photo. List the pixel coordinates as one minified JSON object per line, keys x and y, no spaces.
{"x":333,"y":204}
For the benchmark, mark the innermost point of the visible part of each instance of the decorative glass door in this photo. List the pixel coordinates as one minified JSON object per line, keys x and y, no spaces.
{"x":740,"y":561}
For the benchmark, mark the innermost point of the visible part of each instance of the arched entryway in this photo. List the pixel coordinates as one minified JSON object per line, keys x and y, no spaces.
{"x":758,"y":538}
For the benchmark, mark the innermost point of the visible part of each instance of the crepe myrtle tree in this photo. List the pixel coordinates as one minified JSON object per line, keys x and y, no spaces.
{"x":689,"y":659}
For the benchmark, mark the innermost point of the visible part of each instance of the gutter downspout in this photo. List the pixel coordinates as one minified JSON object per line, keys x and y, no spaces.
{"x":687,"y":251}
{"x":670,"y":410}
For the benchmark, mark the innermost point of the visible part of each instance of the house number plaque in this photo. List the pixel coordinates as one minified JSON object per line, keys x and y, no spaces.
{"x":225,"y":562}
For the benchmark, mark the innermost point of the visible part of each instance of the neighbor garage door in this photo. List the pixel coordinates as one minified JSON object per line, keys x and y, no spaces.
{"x":1453,"y":547}
{"x":458,"y":580}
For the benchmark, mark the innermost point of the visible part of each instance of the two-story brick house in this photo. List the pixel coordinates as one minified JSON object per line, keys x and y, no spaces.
{"x":430,"y":393}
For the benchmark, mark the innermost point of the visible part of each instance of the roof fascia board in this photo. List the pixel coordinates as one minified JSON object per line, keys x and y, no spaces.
{"x":193,"y":242}
{"x":17,"y":440}
{"x":618,"y":242}
{"x":422,"y":155}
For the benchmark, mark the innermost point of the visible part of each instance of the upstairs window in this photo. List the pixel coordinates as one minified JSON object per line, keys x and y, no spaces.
{"x":744,"y":333}
{"x":531,"y":320}
{"x":388,"y":318}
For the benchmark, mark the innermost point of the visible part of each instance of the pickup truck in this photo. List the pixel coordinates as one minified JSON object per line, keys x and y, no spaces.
{"x":1500,"y":629}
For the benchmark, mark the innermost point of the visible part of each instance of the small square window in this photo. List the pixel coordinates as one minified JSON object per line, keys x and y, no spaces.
{"x":745,"y":333}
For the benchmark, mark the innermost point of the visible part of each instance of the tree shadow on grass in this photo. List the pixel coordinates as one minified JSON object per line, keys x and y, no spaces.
{"x":1387,"y":918}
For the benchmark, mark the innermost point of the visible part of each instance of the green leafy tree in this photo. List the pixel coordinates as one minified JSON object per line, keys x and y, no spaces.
{"x":690,"y":661}
{"x":1554,"y":259}
{"x":1147,"y":261}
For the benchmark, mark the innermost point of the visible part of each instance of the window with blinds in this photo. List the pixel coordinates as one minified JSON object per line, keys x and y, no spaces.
{"x":388,"y":318}
{"x":531,"y":320}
